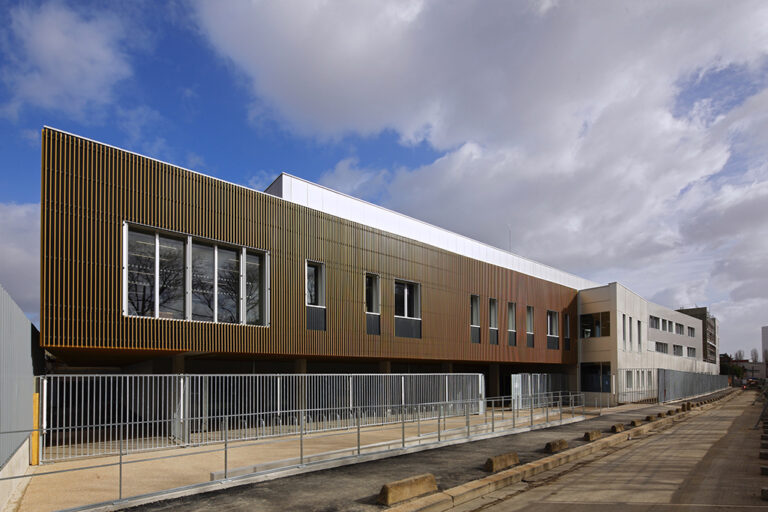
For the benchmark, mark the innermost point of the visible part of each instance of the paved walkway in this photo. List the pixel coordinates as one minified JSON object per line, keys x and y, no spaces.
{"x":707,"y":463}
{"x":354,"y":488}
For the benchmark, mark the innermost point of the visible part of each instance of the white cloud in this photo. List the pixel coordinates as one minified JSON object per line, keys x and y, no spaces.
{"x":261,"y":179}
{"x":348,"y":177}
{"x":62,"y":59}
{"x":20,"y":254}
{"x":560,"y":119}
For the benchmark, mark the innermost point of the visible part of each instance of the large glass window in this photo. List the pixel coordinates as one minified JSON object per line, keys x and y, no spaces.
{"x":254,"y":277}
{"x":172,"y":278}
{"x":372,"y":294}
{"x":315,"y":284}
{"x":228,"y":289}
{"x":474,"y":310}
{"x":203,"y":270}
{"x":595,"y":325}
{"x":141,"y":274}
{"x":407,"y":300}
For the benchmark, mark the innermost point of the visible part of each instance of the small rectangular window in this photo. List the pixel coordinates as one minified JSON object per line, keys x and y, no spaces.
{"x":203,"y":271}
{"x":474,"y":310}
{"x":595,"y":325}
{"x":663,"y":325}
{"x":662,"y":347}
{"x":529,"y":319}
{"x":624,"y":329}
{"x":511,"y":316}
{"x":679,"y":329}
{"x":493,"y":321}
{"x":691,"y":351}
{"x":692,"y":332}
{"x":639,"y":335}
{"x":141,"y":274}
{"x":677,"y":350}
{"x":407,"y":300}
{"x":630,"y":333}
{"x":629,"y":378}
{"x":552,"y":323}
{"x":372,"y":294}
{"x":315,"y":284}
{"x":653,"y":322}
{"x":255,"y":292}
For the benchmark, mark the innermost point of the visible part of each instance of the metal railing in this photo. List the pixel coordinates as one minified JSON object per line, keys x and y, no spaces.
{"x":81,"y":413}
{"x":410,"y":427}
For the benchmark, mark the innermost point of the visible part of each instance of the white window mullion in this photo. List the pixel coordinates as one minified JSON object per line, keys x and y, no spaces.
{"x":188,"y":280}
{"x":157,"y":275}
{"x":215,"y":283}
{"x":242,"y":285}
{"x":125,"y":268}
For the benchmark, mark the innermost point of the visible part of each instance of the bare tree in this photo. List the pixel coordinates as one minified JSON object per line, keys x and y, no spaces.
{"x":754,"y":355}
{"x":738,"y":355}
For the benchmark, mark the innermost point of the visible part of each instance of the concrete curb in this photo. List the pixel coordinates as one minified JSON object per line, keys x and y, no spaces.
{"x":455,"y":496}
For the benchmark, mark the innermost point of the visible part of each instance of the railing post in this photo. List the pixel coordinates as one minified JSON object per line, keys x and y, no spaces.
{"x":560,"y":406}
{"x":120,"y":477}
{"x":546,"y":412}
{"x":357,"y":416}
{"x":531,"y":400}
{"x":466,"y":411}
{"x":418,"y":421}
{"x":439,"y":419}
{"x":514,"y":411}
{"x":301,"y":439}
{"x":226,"y":447}
{"x":493,"y":415}
{"x":402,"y":424}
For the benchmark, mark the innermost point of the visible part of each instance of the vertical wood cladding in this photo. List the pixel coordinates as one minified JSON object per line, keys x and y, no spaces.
{"x":89,"y":190}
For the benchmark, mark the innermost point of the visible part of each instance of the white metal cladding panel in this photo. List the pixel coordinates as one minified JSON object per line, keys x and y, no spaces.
{"x":334,"y":203}
{"x":16,"y":380}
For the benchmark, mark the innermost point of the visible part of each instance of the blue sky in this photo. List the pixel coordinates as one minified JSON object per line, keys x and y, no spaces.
{"x":622,"y":141}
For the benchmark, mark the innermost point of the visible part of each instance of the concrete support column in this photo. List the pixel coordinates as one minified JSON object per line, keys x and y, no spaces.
{"x":177,"y":363}
{"x":299,"y":366}
{"x":385,"y":366}
{"x":493,"y":380}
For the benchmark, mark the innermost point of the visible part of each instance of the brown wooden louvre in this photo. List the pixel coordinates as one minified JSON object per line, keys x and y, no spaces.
{"x":90,"y":189}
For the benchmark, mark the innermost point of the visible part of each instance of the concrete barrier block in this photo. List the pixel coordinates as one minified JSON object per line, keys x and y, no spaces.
{"x":636,"y":423}
{"x":407,"y":488}
{"x":592,"y":435}
{"x":670,"y":412}
{"x":649,"y":418}
{"x":764,"y":454}
{"x":677,"y":410}
{"x":660,"y":415}
{"x":556,"y":446}
{"x":618,"y":427}
{"x":503,"y":461}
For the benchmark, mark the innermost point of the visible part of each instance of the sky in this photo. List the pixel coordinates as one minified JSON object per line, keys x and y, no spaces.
{"x":620,"y":141}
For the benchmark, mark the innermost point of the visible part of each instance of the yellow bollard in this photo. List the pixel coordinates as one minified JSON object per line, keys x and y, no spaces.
{"x":34,"y":439}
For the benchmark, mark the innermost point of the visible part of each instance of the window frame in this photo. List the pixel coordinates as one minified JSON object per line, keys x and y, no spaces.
{"x":417,"y":307}
{"x":474,"y":310}
{"x":530,"y":319}
{"x":319,"y":281}
{"x":188,"y":241}
{"x":553,"y":320}
{"x":377,"y":291}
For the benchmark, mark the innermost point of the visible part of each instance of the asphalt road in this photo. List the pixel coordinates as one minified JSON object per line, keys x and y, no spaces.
{"x":355,"y":487}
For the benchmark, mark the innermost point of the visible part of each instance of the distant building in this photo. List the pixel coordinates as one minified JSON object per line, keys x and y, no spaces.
{"x":711,"y":332}
{"x":765,"y":344}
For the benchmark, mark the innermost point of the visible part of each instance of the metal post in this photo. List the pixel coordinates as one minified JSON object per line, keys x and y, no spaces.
{"x":357,"y":417}
{"x":560,"y":406}
{"x":531,"y":399}
{"x":466,"y":411}
{"x":514,"y":411}
{"x":418,"y":421}
{"x":301,"y":439}
{"x":546,"y":412}
{"x":439,"y":414}
{"x":226,"y":447}
{"x":120,"y":478}
{"x":402,"y":424}
{"x":493,"y":416}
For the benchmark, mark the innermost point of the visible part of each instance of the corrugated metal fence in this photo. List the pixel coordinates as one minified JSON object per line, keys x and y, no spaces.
{"x":16,"y":385}
{"x":676,"y":385}
{"x":637,"y":385}
{"x":92,"y":415}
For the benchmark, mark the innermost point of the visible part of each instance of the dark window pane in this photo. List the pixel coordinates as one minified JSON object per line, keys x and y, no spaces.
{"x":172,"y":278}
{"x":411,"y":302}
{"x":229,"y":286}
{"x":312,"y":282}
{"x":202,"y":282}
{"x":399,"y":299}
{"x":141,"y":274}
{"x":254,"y":311}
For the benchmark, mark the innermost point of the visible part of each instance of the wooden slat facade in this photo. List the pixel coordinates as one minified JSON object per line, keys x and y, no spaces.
{"x":90,"y":189}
